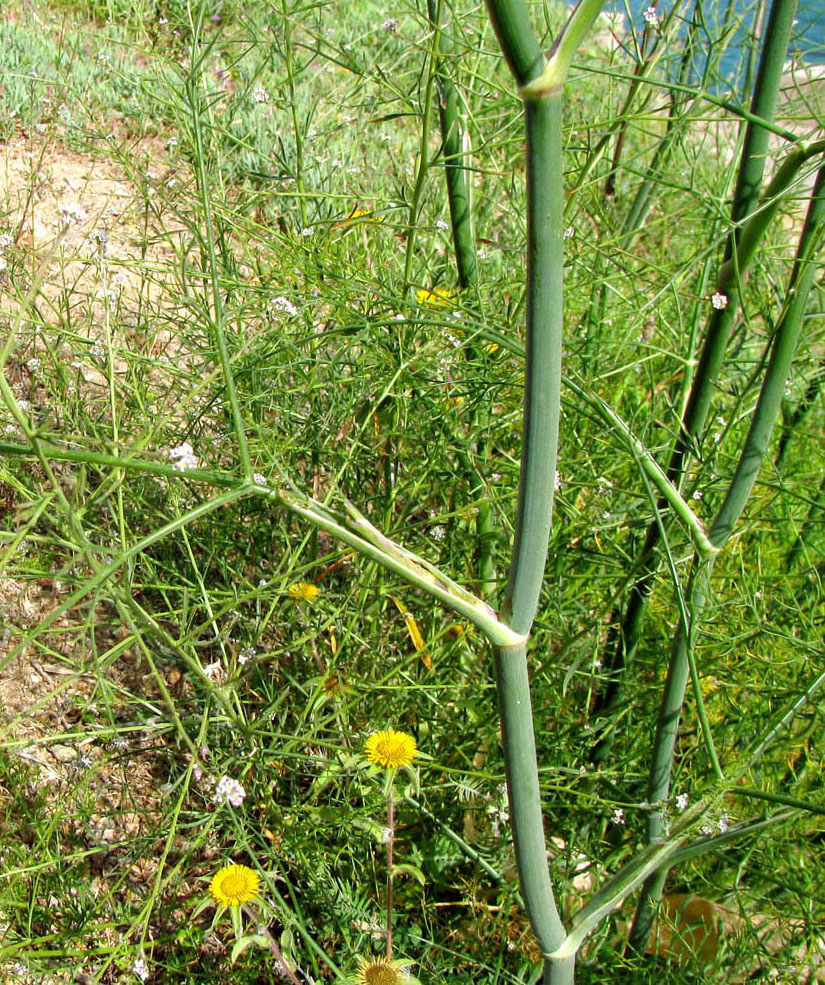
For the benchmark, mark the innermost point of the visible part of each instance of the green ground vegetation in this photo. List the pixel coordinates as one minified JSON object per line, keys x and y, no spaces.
{"x":284,"y":209}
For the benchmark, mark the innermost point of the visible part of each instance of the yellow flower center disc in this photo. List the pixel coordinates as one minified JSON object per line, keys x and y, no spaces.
{"x":381,"y":974}
{"x":235,"y":884}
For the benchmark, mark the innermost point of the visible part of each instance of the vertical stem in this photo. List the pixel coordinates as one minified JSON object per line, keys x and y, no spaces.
{"x":545,"y":207}
{"x":390,"y":839}
{"x":194,"y":96}
{"x":423,"y":157}
{"x":455,"y":171}
{"x":293,"y":106}
{"x":720,"y":324}
{"x":458,"y":197}
{"x":750,"y":461}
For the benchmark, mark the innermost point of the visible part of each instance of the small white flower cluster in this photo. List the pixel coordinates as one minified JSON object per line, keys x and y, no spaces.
{"x":140,"y":969}
{"x":34,"y":364}
{"x":259,"y":479}
{"x":183,"y":456}
{"x":651,"y":17}
{"x":246,"y":654}
{"x":498,"y":813}
{"x":281,"y":305}
{"x":722,"y":826}
{"x":390,"y":26}
{"x":229,"y":791}
{"x":719,"y":301}
{"x":71,"y":214}
{"x":260,"y":95}
{"x":617,"y":816}
{"x":682,"y":800}
{"x":214,"y":671}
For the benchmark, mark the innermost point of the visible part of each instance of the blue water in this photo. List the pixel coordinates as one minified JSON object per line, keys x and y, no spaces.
{"x":807,"y":43}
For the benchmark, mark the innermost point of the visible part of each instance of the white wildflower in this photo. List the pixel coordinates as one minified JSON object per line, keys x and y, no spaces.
{"x":71,"y":213}
{"x":260,"y":95}
{"x":617,"y":816}
{"x":183,"y":456}
{"x":229,"y":791}
{"x":140,"y":969}
{"x":390,"y":26}
{"x":682,"y":801}
{"x":281,"y":305}
{"x":214,"y":671}
{"x":719,"y":301}
{"x":651,"y":17}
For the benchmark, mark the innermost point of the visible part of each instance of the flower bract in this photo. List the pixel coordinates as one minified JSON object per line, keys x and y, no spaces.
{"x":234,"y":884}
{"x":390,"y":748}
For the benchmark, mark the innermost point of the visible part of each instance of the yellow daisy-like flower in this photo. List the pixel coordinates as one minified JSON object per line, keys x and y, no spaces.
{"x":234,"y":884}
{"x":303,"y":590}
{"x":390,"y":749}
{"x":441,"y":297}
{"x":380,"y":971}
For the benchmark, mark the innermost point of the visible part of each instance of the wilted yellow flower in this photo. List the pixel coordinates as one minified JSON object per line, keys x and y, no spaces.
{"x":441,"y":297}
{"x":365,"y":214}
{"x":390,"y":749}
{"x":303,"y":590}
{"x":234,"y":884}
{"x":458,"y":630}
{"x":380,"y":971}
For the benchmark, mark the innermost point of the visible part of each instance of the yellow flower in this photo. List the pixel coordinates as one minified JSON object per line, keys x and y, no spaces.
{"x":491,"y":347}
{"x":457,"y":630}
{"x":355,"y":214}
{"x":380,"y":971}
{"x":234,"y":884}
{"x":303,"y":590}
{"x":441,"y":297}
{"x":390,"y":749}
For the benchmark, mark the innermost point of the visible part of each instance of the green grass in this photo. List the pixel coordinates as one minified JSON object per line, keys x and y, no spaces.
{"x":366,"y":394}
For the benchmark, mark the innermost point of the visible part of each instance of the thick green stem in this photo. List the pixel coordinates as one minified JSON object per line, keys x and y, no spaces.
{"x":452,"y":149}
{"x":751,"y":459}
{"x":542,"y":396}
{"x":519,"y":743}
{"x":423,"y":163}
{"x":720,"y":324}
{"x":784,"y":346}
{"x":459,"y":199}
